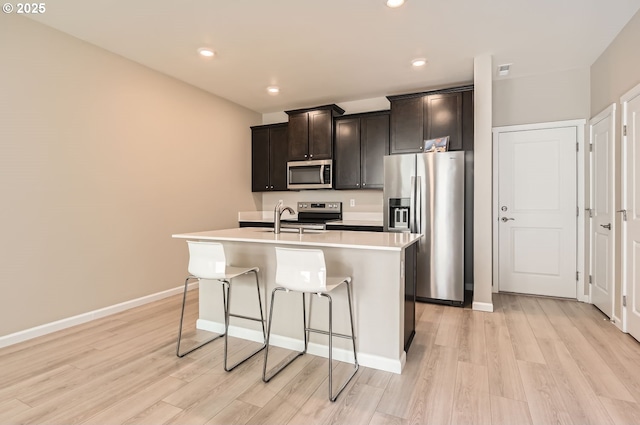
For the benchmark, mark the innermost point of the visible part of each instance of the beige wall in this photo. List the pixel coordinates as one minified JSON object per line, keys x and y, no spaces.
{"x":614,"y":73}
{"x":101,"y":160}
{"x":543,"y":98}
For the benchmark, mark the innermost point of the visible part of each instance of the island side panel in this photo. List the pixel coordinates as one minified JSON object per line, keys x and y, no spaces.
{"x":378,"y":301}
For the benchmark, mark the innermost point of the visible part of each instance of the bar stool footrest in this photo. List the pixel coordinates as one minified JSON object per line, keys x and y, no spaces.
{"x":320,"y":331}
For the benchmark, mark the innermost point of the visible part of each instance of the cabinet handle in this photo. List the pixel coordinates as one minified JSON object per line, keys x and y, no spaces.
{"x":357,"y":184}
{"x":266,"y":187}
{"x":305,"y":155}
{"x":310,"y":156}
{"x":364,"y":184}
{"x":271,"y":187}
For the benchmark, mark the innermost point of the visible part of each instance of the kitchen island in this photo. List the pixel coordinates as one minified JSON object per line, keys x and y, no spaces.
{"x":375,"y":261}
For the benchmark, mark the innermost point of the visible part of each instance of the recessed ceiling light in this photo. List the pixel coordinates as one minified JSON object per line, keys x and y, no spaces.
{"x":395,"y":3}
{"x":418,"y":62}
{"x":273,"y":89}
{"x":206,"y":52}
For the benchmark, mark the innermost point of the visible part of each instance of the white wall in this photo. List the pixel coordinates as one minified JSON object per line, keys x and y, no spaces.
{"x":550,"y":97}
{"x":101,"y":160}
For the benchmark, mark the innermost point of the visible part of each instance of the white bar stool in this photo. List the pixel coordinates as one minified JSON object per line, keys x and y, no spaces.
{"x":207,"y":261}
{"x":304,"y":270}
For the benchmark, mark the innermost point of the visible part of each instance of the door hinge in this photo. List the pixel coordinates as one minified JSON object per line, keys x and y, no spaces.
{"x":577,"y":147}
{"x":590,"y":147}
{"x":624,"y":301}
{"x":577,"y":276}
{"x":624,"y":130}
{"x":590,"y":279}
{"x":577,"y":211}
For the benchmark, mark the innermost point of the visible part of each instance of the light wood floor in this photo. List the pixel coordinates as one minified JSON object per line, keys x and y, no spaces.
{"x":533,"y":361}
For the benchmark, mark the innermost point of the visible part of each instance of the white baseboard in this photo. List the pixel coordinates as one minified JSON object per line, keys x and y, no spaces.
{"x":488,"y":307}
{"x":58,"y":325}
{"x":343,"y":355}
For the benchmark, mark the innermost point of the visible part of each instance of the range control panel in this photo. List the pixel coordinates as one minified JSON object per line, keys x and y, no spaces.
{"x":328,"y":207}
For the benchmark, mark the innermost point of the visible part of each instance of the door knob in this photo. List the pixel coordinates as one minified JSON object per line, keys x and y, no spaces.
{"x":505,"y":219}
{"x":606,"y":226}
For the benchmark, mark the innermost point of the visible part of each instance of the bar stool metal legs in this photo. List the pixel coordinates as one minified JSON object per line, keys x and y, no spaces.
{"x":305,"y":332}
{"x":184,"y":300}
{"x":266,"y":377}
{"x":228,"y":314}
{"x":332,"y":396}
{"x":226,"y":299}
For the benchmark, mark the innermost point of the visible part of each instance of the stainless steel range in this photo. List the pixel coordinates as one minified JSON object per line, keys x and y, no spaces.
{"x":315,"y":215}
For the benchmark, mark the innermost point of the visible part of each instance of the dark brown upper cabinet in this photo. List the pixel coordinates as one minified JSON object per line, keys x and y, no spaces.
{"x":443,"y":117}
{"x":422,"y":116}
{"x":269,"y":155}
{"x":361,"y":142}
{"x":311,"y":132}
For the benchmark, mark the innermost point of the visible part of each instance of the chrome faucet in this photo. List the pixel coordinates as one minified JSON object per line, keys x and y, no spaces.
{"x":277,"y":214}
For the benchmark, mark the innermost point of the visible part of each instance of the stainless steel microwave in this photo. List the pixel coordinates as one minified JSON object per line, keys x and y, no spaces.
{"x":309,"y":174}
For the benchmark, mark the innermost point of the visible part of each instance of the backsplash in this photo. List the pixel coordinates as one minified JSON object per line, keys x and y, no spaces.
{"x":364,"y":200}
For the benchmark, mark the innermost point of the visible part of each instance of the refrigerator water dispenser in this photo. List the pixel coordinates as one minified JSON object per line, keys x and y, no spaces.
{"x":399,"y":213}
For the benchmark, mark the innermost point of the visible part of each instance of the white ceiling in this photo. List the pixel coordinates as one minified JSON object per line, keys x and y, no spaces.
{"x":331,"y":51}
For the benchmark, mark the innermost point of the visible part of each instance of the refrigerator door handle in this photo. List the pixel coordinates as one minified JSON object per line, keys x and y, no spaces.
{"x":418,"y":205}
{"x":412,"y":206}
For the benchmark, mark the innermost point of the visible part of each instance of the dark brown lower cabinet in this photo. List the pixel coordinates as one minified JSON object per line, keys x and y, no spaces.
{"x":410,"y":276}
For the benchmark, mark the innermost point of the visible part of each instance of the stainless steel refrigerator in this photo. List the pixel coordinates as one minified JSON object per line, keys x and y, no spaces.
{"x":424,"y":193}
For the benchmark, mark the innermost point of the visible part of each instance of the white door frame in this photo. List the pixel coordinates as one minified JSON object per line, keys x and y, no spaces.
{"x":624,"y":99}
{"x":609,"y":111}
{"x":579,"y":124}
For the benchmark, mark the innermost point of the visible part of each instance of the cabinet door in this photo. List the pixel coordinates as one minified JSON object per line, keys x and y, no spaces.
{"x":259,"y":159}
{"x":443,"y":117}
{"x":347,"y":158}
{"x":374,"y":142}
{"x":320,"y":134}
{"x":278,"y":157}
{"x":299,"y":137}
{"x":407,"y":125}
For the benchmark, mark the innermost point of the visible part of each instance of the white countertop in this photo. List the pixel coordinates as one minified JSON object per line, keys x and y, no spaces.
{"x":380,"y":241}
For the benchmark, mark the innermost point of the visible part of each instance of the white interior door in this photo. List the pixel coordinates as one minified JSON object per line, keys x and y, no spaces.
{"x":631,"y":202}
{"x":537,"y":211}
{"x":602,"y":129}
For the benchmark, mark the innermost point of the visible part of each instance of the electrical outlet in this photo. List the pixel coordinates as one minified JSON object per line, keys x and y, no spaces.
{"x":352,"y":202}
